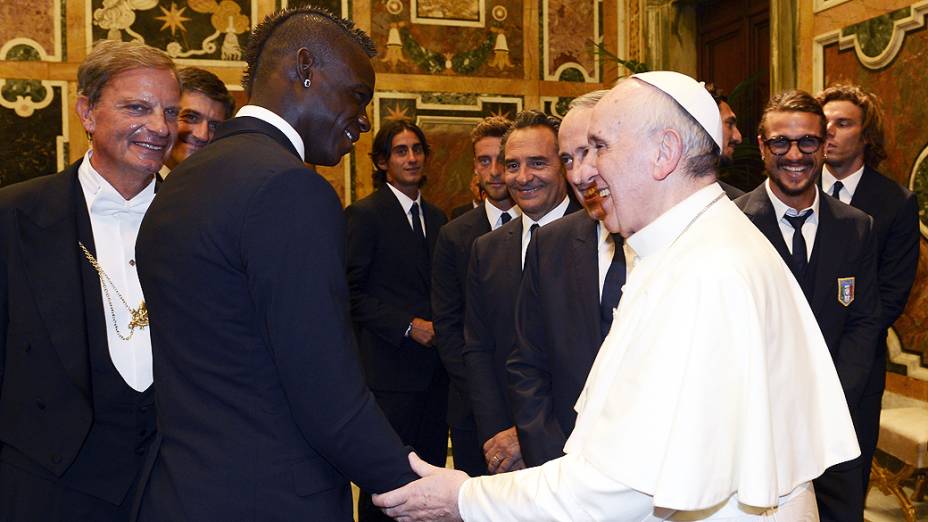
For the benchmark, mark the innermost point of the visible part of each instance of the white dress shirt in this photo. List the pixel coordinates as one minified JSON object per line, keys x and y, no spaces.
{"x":553,"y":215}
{"x":256,"y":111}
{"x":406,"y":203}
{"x":115,"y":223}
{"x":713,"y":395}
{"x":850,"y":183}
{"x":494,"y":215}
{"x":809,"y":227}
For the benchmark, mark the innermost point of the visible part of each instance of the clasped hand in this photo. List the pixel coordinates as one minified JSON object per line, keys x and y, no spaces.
{"x":432,"y":498}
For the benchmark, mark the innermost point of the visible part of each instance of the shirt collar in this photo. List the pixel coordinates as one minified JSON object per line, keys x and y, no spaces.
{"x":850,"y":182}
{"x":661,"y":232}
{"x":405,"y":200}
{"x":781,"y":209}
{"x":493,"y":213}
{"x":103,"y":199}
{"x":552,"y":215}
{"x":603,"y":233}
{"x":256,"y":111}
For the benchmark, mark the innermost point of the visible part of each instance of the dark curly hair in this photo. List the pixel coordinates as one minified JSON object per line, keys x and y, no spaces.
{"x":274,"y":34}
{"x":872,"y":111}
{"x":383,"y":146}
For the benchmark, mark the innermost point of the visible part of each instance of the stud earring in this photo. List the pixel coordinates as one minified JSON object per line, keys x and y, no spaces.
{"x":307,"y":83}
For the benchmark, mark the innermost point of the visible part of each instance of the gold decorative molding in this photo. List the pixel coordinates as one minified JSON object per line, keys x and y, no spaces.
{"x":821,"y":5}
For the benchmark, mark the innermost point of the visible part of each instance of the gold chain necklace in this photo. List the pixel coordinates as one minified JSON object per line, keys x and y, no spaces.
{"x":138,"y":316}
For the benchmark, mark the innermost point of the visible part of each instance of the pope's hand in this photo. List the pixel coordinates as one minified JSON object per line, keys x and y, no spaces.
{"x":434,"y":497}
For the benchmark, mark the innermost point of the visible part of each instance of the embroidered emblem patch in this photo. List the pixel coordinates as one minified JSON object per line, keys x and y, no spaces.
{"x":846,"y":290}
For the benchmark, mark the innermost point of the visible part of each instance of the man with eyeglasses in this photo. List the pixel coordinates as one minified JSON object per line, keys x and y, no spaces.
{"x":830,"y":248}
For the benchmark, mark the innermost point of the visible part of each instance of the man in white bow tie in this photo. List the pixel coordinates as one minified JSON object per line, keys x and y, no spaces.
{"x":713,"y":396}
{"x":76,"y":406}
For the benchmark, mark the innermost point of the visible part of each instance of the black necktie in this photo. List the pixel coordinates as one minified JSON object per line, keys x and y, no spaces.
{"x":612,"y":287}
{"x":800,"y":256}
{"x":836,"y":189}
{"x":531,"y":230}
{"x":504,"y":218}
{"x":416,"y":222}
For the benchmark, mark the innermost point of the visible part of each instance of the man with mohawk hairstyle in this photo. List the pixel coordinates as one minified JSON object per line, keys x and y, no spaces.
{"x":264,"y":414}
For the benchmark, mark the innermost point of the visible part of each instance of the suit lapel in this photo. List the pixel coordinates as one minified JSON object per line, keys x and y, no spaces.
{"x":395,"y":219}
{"x":48,"y":239}
{"x":584,"y":260}
{"x":865,"y":194}
{"x":760,"y":210}
{"x":514,"y":252}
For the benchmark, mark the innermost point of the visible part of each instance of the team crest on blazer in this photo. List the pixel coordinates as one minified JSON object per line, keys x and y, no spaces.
{"x":846,"y":290}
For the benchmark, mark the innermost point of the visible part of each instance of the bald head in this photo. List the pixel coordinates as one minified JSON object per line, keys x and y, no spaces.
{"x":650,"y":152}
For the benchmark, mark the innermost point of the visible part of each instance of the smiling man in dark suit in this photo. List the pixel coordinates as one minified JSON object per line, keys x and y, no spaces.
{"x":391,"y":236}
{"x":572,"y":283}
{"x":76,"y":409}
{"x":535,"y":177}
{"x":852,"y":153}
{"x":263,"y":411}
{"x":449,"y":274}
{"x":831,"y":249}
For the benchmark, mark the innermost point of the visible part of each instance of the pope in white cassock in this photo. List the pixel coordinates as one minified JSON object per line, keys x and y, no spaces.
{"x":713,"y":396}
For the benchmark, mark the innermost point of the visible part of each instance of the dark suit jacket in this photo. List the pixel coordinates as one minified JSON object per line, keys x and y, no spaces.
{"x":457,"y":212}
{"x":46,"y":407}
{"x":449,"y":274}
{"x":895,"y":223}
{"x":557,"y":334}
{"x":493,"y":277}
{"x":844,"y":247}
{"x":263,"y":411}
{"x":390,"y":280}
{"x":731,"y":191}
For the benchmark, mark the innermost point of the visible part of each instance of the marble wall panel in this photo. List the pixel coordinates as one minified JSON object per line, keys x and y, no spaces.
{"x":33,"y":123}
{"x":196,"y":31}
{"x":35,"y":23}
{"x":449,"y":38}
{"x":570,"y":29}
{"x":446,"y":119}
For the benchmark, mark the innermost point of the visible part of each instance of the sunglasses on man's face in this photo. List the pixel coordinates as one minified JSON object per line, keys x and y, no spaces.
{"x":781,"y":145}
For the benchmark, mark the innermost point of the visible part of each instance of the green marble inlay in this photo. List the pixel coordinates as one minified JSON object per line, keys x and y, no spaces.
{"x":920,"y":187}
{"x":875,"y":34}
{"x":449,"y":98}
{"x":33,"y":89}
{"x":23,"y":53}
{"x":571,"y":74}
{"x":562,"y":106}
{"x":464,"y":62}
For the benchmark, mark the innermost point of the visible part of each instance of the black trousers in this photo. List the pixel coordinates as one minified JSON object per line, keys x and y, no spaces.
{"x":26,"y":497}
{"x":420,"y":419}
{"x":467,"y":451}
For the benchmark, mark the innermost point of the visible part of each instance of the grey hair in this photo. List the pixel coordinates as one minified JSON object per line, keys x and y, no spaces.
{"x":588,"y":100}
{"x":700,"y":152}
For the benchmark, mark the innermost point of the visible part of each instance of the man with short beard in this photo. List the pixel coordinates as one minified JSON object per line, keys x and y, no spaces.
{"x":731,"y":136}
{"x":449,"y":273}
{"x":535,"y":178}
{"x":830,"y":248}
{"x":571,"y":285}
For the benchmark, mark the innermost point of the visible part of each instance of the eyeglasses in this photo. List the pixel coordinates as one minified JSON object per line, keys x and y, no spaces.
{"x":780,"y":145}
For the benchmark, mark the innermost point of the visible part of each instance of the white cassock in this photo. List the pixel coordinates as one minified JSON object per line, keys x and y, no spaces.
{"x":713,"y":396}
